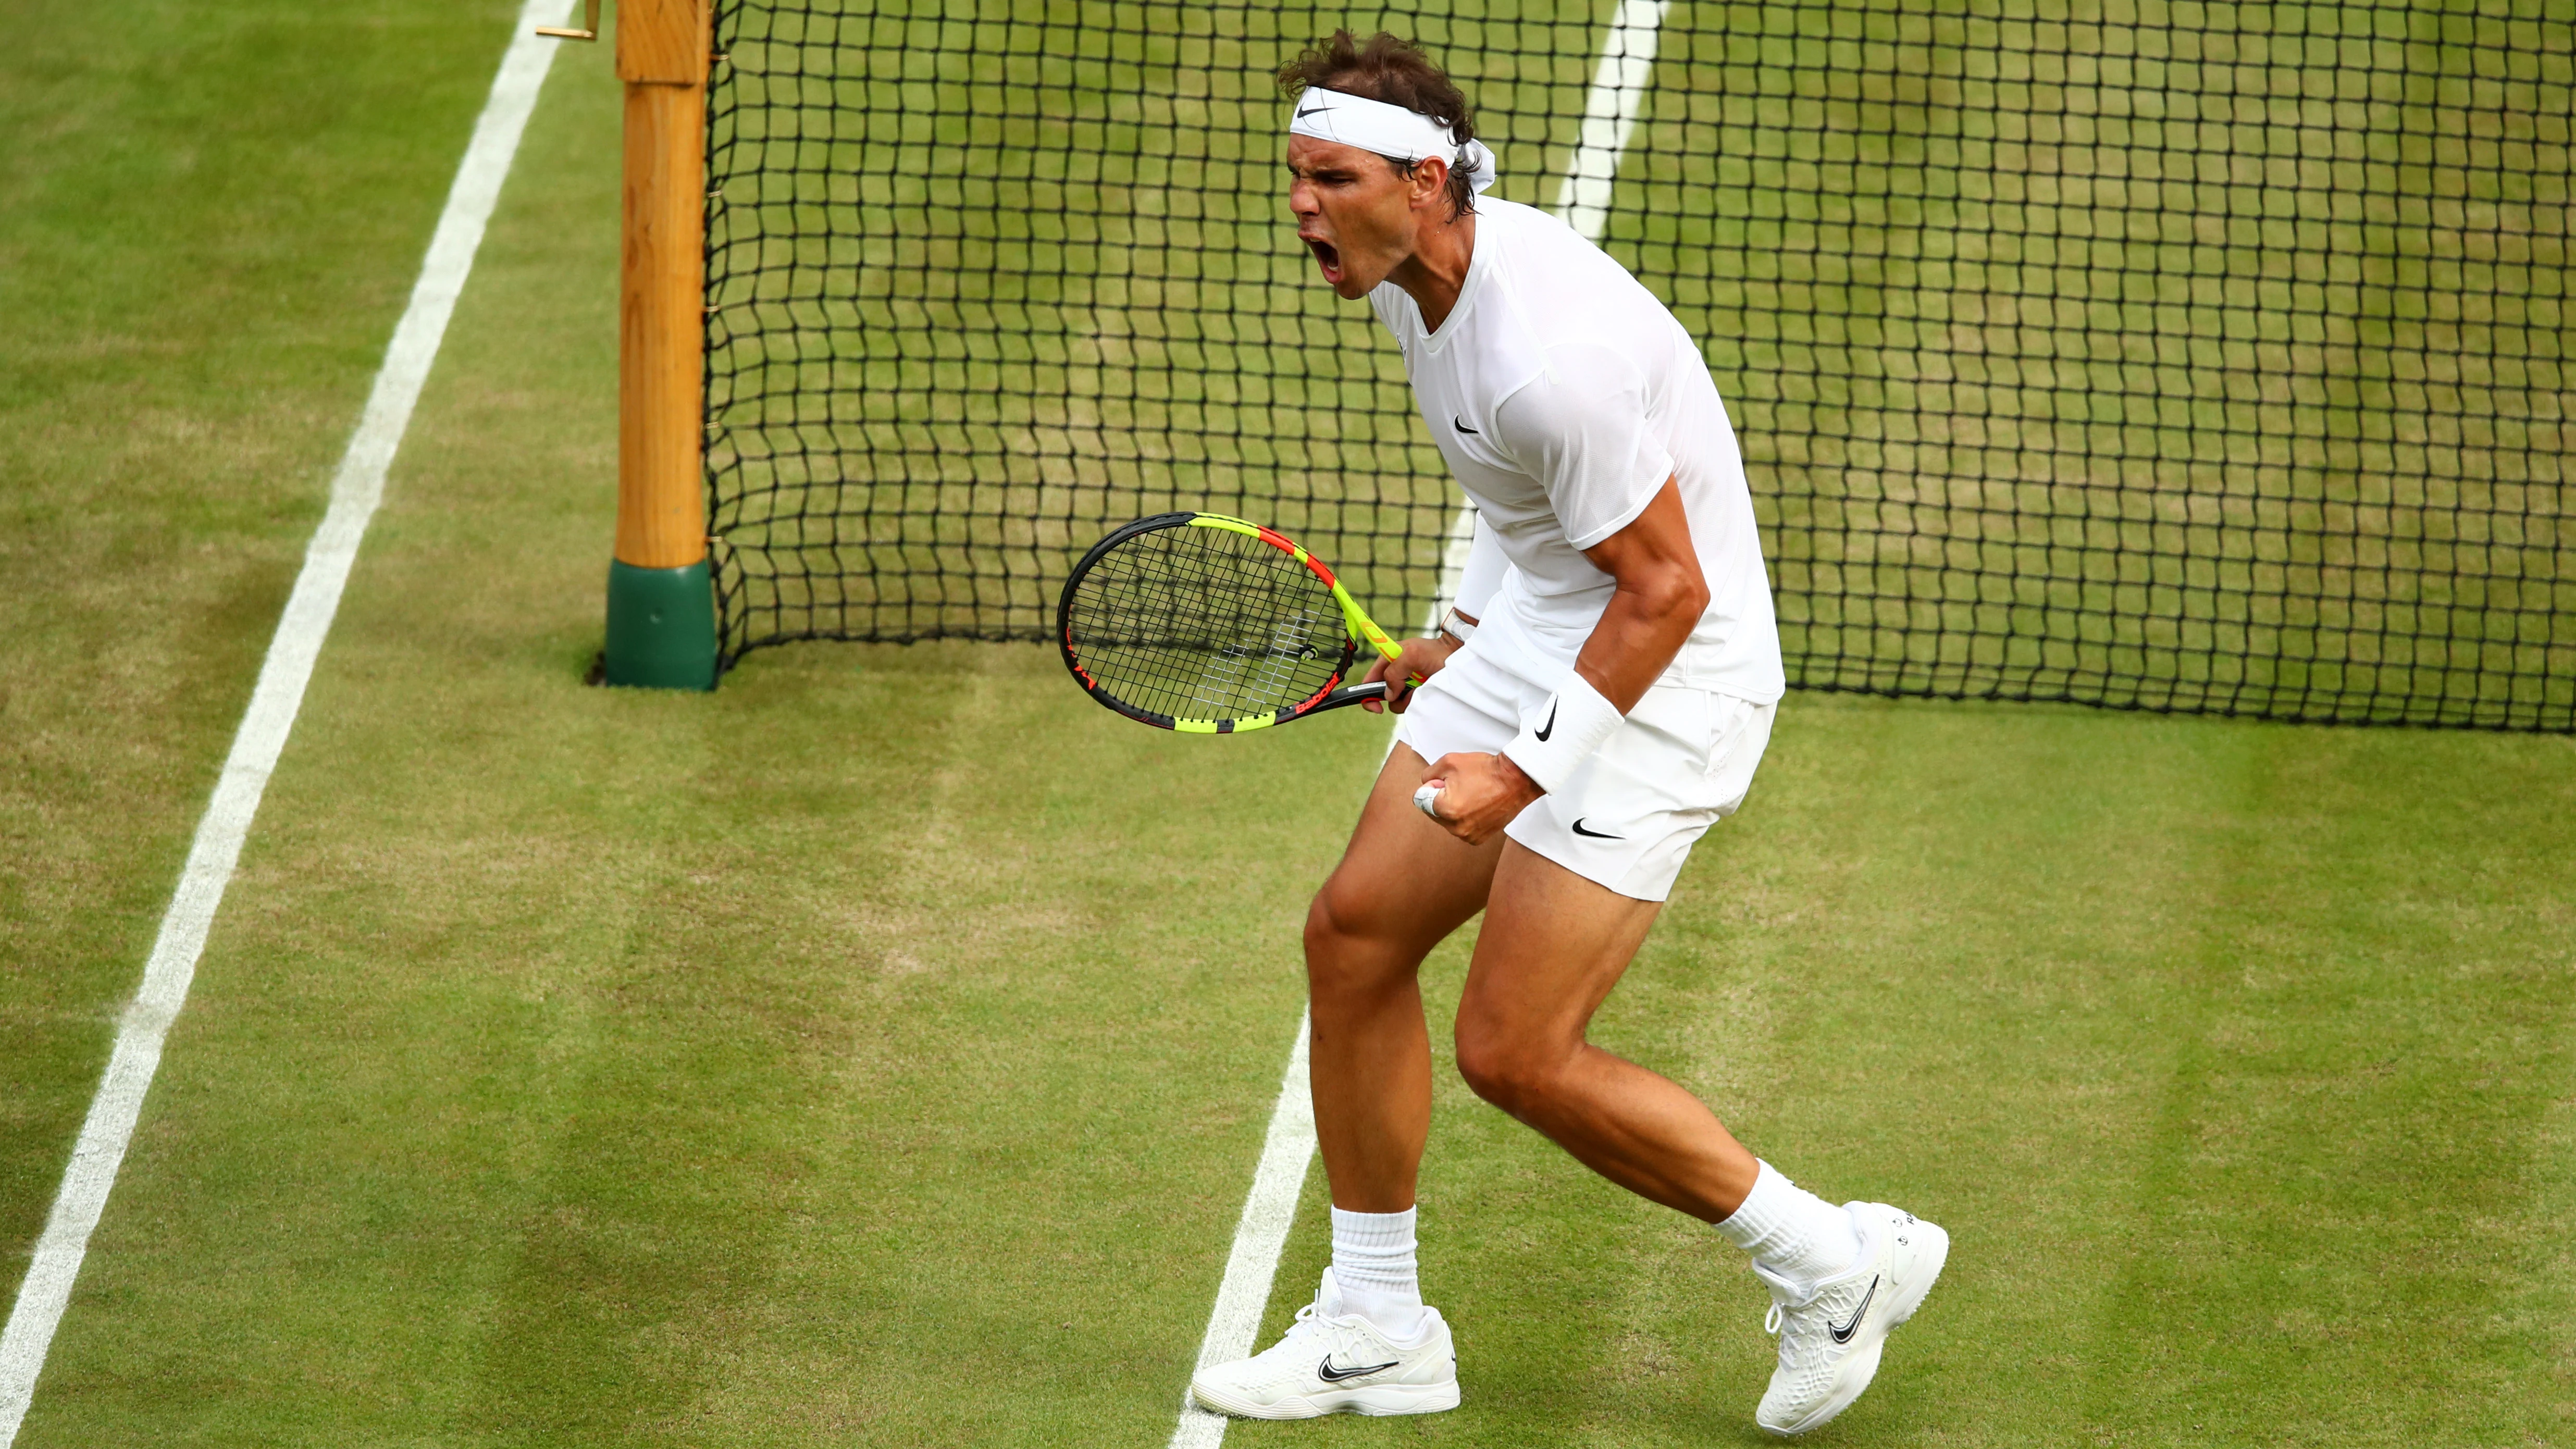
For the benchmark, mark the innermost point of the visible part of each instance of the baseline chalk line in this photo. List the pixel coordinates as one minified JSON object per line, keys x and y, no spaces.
{"x":356,"y":488}
{"x":1267,"y":1211}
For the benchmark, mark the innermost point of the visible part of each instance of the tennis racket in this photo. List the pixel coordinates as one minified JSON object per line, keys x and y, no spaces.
{"x":1209,"y":625}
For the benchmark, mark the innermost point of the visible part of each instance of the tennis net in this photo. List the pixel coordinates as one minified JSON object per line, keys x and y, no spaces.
{"x":2179,"y":356}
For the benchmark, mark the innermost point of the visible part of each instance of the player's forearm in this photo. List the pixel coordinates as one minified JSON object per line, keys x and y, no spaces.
{"x":1658,"y":598}
{"x":1650,"y":617}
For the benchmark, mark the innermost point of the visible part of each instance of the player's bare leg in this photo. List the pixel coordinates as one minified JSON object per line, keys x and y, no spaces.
{"x":1553,"y":946}
{"x":1841,"y":1279}
{"x":1368,"y":1344}
{"x":1402,"y":886}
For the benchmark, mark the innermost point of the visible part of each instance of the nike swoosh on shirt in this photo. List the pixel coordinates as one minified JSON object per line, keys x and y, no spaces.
{"x":1595,"y":834}
{"x":1332,"y":1375}
{"x":1461,"y":425}
{"x":1843,"y":1332}
{"x":1550,"y":726}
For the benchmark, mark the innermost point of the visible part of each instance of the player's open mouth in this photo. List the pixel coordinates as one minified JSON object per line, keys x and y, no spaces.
{"x":1327,"y":256}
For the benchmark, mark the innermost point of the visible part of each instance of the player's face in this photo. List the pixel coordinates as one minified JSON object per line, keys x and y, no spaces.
{"x":1355,"y":212}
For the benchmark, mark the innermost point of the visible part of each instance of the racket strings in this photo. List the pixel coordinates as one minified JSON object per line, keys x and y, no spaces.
{"x":1206,"y":624}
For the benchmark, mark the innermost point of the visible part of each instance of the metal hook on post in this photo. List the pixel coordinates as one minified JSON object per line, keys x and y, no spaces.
{"x":589,"y":25}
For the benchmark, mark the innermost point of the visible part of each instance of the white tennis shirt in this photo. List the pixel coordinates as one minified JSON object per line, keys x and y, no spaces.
{"x":1563,"y":394}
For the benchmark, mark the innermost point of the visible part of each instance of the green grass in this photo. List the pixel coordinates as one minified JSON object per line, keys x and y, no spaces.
{"x":2234,"y":1056}
{"x":207,"y":228}
{"x":790,"y":1066}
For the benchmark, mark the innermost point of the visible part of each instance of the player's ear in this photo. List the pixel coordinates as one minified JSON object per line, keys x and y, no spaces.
{"x":1429,"y":181}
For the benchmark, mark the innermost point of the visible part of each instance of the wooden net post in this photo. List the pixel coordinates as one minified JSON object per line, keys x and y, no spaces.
{"x":661,"y":604}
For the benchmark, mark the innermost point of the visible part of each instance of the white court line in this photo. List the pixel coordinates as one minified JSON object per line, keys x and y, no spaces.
{"x":1610,"y":112}
{"x":355,"y":490}
{"x":1267,"y":1211}
{"x":1618,"y":93}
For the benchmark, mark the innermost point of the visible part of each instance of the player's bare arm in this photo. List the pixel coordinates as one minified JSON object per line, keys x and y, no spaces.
{"x":1657,"y":600}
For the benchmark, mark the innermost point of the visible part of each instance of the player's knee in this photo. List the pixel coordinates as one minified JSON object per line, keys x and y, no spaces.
{"x":1341,"y":919}
{"x":1337,"y":937}
{"x":1511,"y":1074}
{"x":1327,"y":927}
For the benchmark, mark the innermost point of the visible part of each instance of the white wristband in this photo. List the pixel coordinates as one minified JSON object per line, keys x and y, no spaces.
{"x":1455,"y":625}
{"x":1562,"y":732}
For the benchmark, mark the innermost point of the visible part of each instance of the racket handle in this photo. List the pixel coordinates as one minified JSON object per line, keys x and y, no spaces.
{"x":1426,"y":798}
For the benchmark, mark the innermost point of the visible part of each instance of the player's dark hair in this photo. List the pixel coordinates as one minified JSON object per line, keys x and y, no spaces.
{"x":1394,"y":70}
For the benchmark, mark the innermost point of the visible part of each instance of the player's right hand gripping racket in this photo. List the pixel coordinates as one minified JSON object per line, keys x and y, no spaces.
{"x":1212,"y":626}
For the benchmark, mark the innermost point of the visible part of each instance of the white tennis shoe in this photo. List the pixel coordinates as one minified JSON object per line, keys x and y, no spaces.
{"x":1334,"y":1363}
{"x":1830,"y":1339}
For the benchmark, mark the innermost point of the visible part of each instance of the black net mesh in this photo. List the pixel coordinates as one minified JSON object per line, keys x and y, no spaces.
{"x":2179,"y":356}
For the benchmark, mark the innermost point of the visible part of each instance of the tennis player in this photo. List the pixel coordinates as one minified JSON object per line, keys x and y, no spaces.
{"x":1597,"y":700}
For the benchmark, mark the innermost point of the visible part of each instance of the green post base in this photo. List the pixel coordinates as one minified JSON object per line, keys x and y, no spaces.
{"x":661,"y":627}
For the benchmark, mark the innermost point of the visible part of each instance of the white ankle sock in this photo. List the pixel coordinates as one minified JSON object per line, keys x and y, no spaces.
{"x":1373,"y":1265}
{"x":1799,"y":1236}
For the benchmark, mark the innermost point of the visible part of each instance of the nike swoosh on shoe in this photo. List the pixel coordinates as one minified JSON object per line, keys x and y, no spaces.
{"x":1843,"y":1332}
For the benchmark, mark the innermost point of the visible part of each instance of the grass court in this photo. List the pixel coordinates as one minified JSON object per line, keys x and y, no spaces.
{"x":877,"y":1050}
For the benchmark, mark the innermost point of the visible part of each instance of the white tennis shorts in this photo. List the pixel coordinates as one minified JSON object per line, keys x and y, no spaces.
{"x":1679,"y":763}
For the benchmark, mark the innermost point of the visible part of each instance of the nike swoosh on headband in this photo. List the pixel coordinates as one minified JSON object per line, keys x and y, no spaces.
{"x":1396,"y":132}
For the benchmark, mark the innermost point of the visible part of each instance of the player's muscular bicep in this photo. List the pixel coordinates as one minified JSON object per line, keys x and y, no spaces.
{"x":1659,"y":597}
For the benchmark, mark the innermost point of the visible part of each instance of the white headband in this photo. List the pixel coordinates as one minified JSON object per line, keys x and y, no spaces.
{"x":1390,"y":131}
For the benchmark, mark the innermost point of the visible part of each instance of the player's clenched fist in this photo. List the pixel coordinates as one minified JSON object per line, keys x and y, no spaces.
{"x":1477,"y":794}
